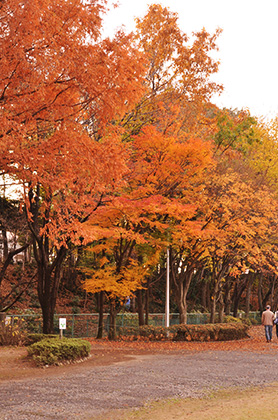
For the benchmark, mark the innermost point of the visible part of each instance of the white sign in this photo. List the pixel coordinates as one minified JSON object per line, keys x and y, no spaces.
{"x":8,"y":320}
{"x":62,"y":323}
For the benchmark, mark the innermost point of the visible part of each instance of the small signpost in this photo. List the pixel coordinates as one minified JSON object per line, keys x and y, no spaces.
{"x":62,"y":326}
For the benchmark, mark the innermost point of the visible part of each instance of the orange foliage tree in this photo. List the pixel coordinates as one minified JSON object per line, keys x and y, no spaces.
{"x":160,"y":186}
{"x":231,"y":225}
{"x":242,"y":221}
{"x":178,"y":78}
{"x":60,"y":85}
{"x":167,"y":156}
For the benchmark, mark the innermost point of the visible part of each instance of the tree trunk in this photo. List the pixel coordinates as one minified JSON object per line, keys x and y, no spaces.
{"x":239,"y":289}
{"x":182,"y":305}
{"x":112,"y":323}
{"x":221,"y":308}
{"x":48,"y":311}
{"x":204,"y":294}
{"x":260,"y":296}
{"x":248,"y":295}
{"x":5,"y":244}
{"x":227,"y":298}
{"x":236,"y":298}
{"x":147,"y":303}
{"x":272,"y":290}
{"x":48,"y":284}
{"x":263,"y":300}
{"x":208,"y":304}
{"x":100,"y":314}
{"x":133,"y":305}
{"x":215,"y":283}
{"x":181,"y":285}
{"x":212,"y":310}
{"x":140,"y":307}
{"x":47,"y":298}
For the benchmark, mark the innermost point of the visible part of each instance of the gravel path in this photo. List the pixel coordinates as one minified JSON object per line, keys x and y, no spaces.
{"x":87,"y":392}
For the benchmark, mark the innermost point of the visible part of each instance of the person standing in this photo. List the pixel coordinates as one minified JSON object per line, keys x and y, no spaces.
{"x":267,"y":320}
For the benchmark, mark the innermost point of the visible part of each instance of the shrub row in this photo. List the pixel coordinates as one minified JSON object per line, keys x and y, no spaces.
{"x":55,"y":351}
{"x":205,"y":332}
{"x":210,"y":332}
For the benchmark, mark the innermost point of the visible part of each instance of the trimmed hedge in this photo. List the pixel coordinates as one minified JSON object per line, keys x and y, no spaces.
{"x":181,"y":332}
{"x":54,"y":351}
{"x":210,"y":332}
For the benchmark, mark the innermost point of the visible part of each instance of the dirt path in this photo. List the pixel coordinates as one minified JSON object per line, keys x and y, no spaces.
{"x":121,"y":375}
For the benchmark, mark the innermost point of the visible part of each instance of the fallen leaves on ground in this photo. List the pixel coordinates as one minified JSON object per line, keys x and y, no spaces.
{"x":256,"y":342}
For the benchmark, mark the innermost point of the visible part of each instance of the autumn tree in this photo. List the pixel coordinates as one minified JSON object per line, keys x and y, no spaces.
{"x":230,"y":213}
{"x":263,"y":156}
{"x":60,"y":86}
{"x":178,"y":77}
{"x":247,"y":208}
{"x":178,"y":89}
{"x":236,"y":130}
{"x":118,"y":263}
{"x":104,"y":275}
{"x":160,"y":187}
{"x":164,"y":156}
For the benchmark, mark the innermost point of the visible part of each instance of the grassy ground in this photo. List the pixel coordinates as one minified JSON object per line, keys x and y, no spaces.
{"x":255,"y":404}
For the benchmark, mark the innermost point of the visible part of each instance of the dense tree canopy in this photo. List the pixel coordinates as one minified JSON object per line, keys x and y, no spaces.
{"x":60,"y":86}
{"x":116,"y":146}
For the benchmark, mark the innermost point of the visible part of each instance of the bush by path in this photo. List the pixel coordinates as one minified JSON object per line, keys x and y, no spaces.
{"x":205,"y":332}
{"x":53,"y":351}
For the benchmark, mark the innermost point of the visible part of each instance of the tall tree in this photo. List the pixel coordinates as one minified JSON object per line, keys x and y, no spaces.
{"x":60,"y":85}
{"x":178,"y":77}
{"x":161,"y":185}
{"x":166,"y":154}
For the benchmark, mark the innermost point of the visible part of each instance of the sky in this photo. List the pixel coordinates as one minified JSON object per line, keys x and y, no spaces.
{"x":248,"y":51}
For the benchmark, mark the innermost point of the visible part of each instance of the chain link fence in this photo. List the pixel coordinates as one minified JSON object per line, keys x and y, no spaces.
{"x":86,"y":325}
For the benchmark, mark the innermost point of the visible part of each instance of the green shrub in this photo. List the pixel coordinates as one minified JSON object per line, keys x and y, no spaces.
{"x":205,"y":332}
{"x":53,"y":351}
{"x":154,"y":333}
{"x":210,"y":332}
{"x":149,"y":332}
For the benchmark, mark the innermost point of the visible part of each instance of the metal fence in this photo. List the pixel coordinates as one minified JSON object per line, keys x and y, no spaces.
{"x":86,"y":325}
